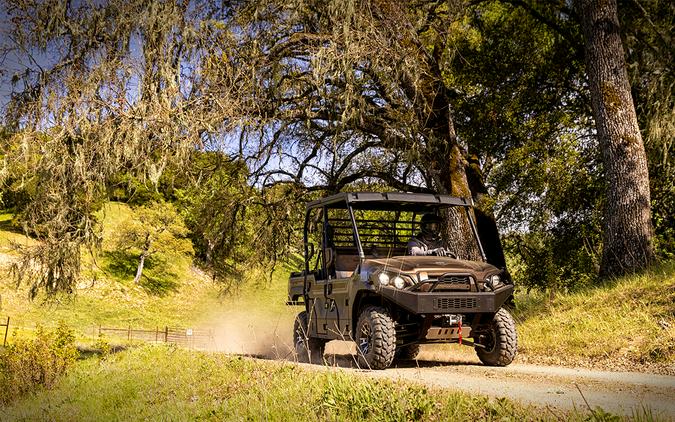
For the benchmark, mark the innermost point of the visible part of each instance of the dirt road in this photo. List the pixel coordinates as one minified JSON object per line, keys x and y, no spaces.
{"x":558,"y":388}
{"x":457,"y":367}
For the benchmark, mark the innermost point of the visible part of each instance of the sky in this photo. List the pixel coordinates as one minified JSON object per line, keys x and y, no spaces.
{"x":8,"y":64}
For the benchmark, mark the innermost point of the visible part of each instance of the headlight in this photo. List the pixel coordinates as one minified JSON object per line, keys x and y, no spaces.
{"x":383,"y":278}
{"x":493,"y":281}
{"x":399,"y":282}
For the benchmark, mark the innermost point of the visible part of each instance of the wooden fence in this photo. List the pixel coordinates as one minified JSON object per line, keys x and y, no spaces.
{"x":6,"y":325}
{"x":187,"y":337}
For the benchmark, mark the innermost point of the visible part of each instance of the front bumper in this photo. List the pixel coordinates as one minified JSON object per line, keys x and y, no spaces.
{"x":430,"y":303}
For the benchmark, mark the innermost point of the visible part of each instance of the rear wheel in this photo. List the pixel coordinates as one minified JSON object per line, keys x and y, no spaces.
{"x":408,"y":352}
{"x":500,"y":340}
{"x":307,"y":349}
{"x":375,"y":338}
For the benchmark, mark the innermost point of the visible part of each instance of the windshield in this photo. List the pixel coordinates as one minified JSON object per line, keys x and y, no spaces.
{"x":385,"y":233}
{"x":385,"y":229}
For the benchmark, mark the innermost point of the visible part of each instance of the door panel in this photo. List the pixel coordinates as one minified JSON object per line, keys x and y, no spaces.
{"x":319,"y":305}
{"x":337,"y":308}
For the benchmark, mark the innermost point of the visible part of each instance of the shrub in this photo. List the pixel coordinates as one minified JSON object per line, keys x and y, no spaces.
{"x":103,"y":346}
{"x":28,"y":364}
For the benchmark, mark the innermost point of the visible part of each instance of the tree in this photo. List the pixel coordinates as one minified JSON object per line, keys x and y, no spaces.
{"x":107,"y":87}
{"x":234,"y":226}
{"x":152,"y":229}
{"x":627,"y":234}
{"x":305,"y":98}
{"x":522,"y":110}
{"x":340,"y":113}
{"x":647,"y":31}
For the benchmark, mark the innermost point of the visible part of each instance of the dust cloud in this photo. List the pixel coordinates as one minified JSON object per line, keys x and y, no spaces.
{"x":254,"y":333}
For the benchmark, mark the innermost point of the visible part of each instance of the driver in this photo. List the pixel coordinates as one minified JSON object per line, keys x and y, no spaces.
{"x":428,"y":241}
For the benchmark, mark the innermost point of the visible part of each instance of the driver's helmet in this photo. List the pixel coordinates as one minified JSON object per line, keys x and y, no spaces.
{"x":430,"y":224}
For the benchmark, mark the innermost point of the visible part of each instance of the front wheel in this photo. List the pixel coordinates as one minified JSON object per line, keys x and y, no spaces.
{"x":308,"y":349}
{"x":499,"y":340}
{"x":375,"y":338}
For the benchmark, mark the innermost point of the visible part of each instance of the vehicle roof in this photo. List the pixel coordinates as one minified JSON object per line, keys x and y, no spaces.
{"x":386,"y":201}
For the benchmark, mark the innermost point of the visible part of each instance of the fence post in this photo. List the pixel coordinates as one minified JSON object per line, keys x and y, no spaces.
{"x":4,"y":342}
{"x":129,"y":334}
{"x":166,"y":334}
{"x":156,"y":334}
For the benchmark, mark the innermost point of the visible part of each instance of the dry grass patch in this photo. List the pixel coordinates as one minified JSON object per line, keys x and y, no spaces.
{"x":627,"y":322}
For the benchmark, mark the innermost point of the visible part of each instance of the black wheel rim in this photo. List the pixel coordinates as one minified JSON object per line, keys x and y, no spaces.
{"x":299,"y":337}
{"x":489,"y":342}
{"x":364,"y":339}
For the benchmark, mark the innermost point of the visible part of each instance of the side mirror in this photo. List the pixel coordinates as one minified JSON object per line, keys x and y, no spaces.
{"x":310,"y":251}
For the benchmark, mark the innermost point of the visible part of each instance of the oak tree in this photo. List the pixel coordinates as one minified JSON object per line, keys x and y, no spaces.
{"x":153,"y":229}
{"x":628,"y":235}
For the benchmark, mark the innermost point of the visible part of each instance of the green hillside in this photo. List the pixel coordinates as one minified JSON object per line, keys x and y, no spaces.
{"x":171,"y":293}
{"x":625,"y":324}
{"x":628,"y":322}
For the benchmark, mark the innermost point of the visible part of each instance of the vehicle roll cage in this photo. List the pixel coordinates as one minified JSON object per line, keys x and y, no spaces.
{"x":388,"y":201}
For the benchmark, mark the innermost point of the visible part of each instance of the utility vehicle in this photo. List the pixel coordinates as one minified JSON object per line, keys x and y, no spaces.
{"x":359,"y":285}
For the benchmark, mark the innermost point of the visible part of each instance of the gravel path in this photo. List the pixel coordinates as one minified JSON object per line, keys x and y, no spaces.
{"x":617,"y":392}
{"x":623,"y":393}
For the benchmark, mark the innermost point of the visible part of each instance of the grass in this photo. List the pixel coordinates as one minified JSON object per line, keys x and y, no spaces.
{"x":625,"y":322}
{"x":165,"y":383}
{"x":9,"y":234}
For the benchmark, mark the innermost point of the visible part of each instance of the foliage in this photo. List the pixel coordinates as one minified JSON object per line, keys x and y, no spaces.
{"x":156,"y":228}
{"x":360,"y":115}
{"x":522,"y":110}
{"x":551,"y":215}
{"x":12,"y":193}
{"x":102,"y":345}
{"x":58,"y":213}
{"x":234,"y":227}
{"x":26,"y":365}
{"x":237,"y":113}
{"x":105,"y":101}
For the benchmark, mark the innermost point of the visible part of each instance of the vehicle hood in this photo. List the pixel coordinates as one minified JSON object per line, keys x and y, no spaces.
{"x":428,"y":264}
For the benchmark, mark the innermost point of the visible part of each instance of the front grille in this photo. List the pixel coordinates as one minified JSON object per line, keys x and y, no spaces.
{"x":454,"y":303}
{"x":455,"y":279}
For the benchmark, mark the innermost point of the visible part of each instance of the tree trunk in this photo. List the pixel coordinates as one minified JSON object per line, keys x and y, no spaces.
{"x":139,"y":270}
{"x":461,"y":238}
{"x":448,"y":167}
{"x":627,"y":237}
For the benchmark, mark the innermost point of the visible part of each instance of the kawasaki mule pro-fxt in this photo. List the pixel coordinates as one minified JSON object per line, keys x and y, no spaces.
{"x":358,"y":284}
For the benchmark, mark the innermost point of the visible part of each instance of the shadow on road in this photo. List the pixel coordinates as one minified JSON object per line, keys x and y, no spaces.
{"x":350,"y":361}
